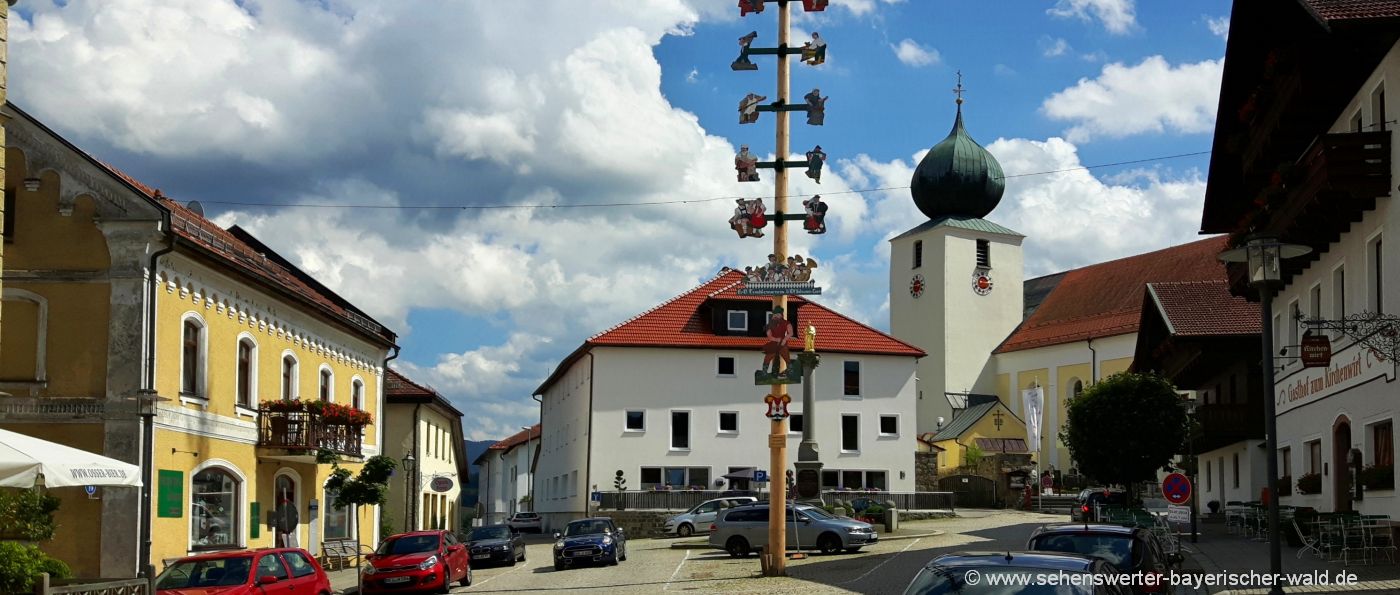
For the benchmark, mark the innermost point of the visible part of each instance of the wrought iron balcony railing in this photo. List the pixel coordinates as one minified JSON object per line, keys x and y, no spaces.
{"x":307,"y":433}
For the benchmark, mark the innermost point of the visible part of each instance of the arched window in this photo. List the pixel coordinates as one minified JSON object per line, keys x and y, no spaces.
{"x":357,"y":393}
{"x":289,"y":377}
{"x":247,"y":372}
{"x":26,"y":327}
{"x":327,"y":384}
{"x":214,"y":506}
{"x":1077,"y":389}
{"x":192,"y":352}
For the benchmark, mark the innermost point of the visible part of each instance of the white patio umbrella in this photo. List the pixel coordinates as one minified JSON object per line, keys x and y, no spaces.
{"x":23,"y":458}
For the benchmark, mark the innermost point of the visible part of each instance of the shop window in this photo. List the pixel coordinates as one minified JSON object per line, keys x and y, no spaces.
{"x":214,"y":509}
{"x":338,"y":518}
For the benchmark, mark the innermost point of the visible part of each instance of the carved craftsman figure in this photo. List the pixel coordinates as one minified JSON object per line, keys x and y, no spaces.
{"x":754,"y":6}
{"x":814,"y":52}
{"x":816,"y":158}
{"x":743,"y":62}
{"x":749,"y":219}
{"x":747,"y":165}
{"x":815,"y":222}
{"x":778,"y":332}
{"x":816,"y":107}
{"x":794,"y":269}
{"x":748,"y":108}
{"x":814,"y":5}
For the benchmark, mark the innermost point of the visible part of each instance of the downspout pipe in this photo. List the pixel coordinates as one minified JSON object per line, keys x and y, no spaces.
{"x":588,"y":457}
{"x":415,"y":474}
{"x":383,"y":435}
{"x":530,"y":435}
{"x":146,"y":403}
{"x":1093,"y":363}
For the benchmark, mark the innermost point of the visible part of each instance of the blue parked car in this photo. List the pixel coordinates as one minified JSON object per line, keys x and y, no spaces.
{"x":589,"y":540}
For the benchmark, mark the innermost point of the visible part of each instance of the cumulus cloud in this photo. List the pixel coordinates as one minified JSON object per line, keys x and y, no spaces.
{"x":861,"y":7}
{"x":1118,"y":16}
{"x":1219,"y":26}
{"x":1150,"y":97}
{"x":912,"y":54}
{"x":1053,"y":48}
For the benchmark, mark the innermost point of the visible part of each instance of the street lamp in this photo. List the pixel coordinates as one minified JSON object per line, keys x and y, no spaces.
{"x":410,"y":494}
{"x":1264,"y":256}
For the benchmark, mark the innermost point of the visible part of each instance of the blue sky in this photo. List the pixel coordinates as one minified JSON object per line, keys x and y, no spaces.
{"x":255,"y":105}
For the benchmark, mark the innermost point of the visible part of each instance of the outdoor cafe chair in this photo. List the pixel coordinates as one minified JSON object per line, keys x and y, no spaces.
{"x":1310,"y":542}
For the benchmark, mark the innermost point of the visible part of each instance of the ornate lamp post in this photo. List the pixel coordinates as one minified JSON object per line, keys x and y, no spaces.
{"x":1264,"y":256}
{"x":409,"y":494}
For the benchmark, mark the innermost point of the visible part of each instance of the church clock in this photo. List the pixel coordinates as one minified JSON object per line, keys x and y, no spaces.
{"x":982,"y":282}
{"x":916,"y":286}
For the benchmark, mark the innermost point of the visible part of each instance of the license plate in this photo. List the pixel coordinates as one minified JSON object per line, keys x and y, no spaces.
{"x":396,"y":579}
{"x":577,"y":554}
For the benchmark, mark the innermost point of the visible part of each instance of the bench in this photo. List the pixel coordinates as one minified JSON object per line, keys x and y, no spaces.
{"x":337,"y":554}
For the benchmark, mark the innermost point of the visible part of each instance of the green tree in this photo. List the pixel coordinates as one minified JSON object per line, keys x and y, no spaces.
{"x":27,"y":514}
{"x":1124,"y":428}
{"x":368,"y":488}
{"x":973,"y":456}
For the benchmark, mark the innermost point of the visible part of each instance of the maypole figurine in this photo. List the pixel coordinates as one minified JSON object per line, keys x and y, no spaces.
{"x":814,"y":5}
{"x":777,"y":360}
{"x":816,"y":107}
{"x":815,"y":223}
{"x":815,"y":159}
{"x":743,"y":62}
{"x":747,"y":165}
{"x":749,"y":218}
{"x":748,"y":6}
{"x":814,"y":52}
{"x":748,"y":108}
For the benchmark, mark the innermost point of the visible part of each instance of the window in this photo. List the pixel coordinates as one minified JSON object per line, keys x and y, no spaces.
{"x":984,"y":254}
{"x":9,"y":229}
{"x":573,"y":483}
{"x":852,"y":480}
{"x":1076,"y":388}
{"x":850,"y":432}
{"x":831,"y":479}
{"x":357,"y":393}
{"x":1377,"y":110}
{"x":674,"y":477}
{"x":875,"y":480}
{"x":214,"y":509}
{"x":889,"y":425}
{"x":1315,"y":302}
{"x":26,"y":317}
{"x":327,"y":381}
{"x":1208,"y":488}
{"x":636,"y":421}
{"x":338,"y":518}
{"x":1377,"y":295}
{"x":795,"y":423}
{"x":191,"y":359}
{"x":299,"y":564}
{"x":1383,"y":444}
{"x":1294,"y":312}
{"x":918,"y":249}
{"x":1339,"y":293}
{"x":1356,"y":122}
{"x":729,"y":422}
{"x":738,"y":320}
{"x":1235,"y":469}
{"x":651,"y":477}
{"x":247,"y":367}
{"x":680,"y":430}
{"x":269,"y":565}
{"x":1315,"y":456}
{"x":289,"y":377}
{"x":724,"y":366}
{"x":1285,"y":462}
{"x":851,"y":383}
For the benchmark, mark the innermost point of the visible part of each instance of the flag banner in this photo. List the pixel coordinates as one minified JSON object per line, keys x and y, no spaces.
{"x":1033,"y":404}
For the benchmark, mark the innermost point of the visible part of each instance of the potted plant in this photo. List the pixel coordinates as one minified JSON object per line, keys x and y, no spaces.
{"x":1310,"y":483}
{"x":1378,"y":477}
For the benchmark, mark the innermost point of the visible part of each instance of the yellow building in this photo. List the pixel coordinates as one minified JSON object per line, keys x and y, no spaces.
{"x":986,"y":424}
{"x":138,"y":329}
{"x":420,"y":422}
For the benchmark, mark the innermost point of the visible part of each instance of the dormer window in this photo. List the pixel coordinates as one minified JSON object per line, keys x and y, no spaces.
{"x":984,"y":254}
{"x":738,"y":320}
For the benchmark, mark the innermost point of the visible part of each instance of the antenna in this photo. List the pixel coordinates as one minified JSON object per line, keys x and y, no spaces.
{"x":196,"y":207}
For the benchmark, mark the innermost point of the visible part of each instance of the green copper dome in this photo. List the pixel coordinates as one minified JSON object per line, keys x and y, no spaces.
{"x":957,"y":177}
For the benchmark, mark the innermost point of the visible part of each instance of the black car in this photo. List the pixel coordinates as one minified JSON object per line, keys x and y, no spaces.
{"x":1131,"y":550}
{"x":496,"y":543}
{"x":973,"y":573}
{"x":1089,"y":505}
{"x":589,"y":540}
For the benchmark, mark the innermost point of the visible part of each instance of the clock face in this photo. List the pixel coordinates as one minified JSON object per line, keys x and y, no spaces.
{"x":982,"y":282}
{"x":916,"y":286}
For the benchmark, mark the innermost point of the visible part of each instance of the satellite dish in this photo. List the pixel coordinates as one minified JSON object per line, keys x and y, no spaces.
{"x":196,"y":207}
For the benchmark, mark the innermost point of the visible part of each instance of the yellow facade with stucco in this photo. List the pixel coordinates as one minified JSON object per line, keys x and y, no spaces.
{"x":954,"y":454}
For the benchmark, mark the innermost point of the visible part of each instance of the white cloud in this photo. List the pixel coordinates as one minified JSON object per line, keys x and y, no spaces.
{"x":1117,"y":16}
{"x":1003,"y":70}
{"x":693,"y":75}
{"x":912,"y":54}
{"x":860,"y":7}
{"x":1052,"y":48}
{"x":1219,"y":26}
{"x":1152,"y":96}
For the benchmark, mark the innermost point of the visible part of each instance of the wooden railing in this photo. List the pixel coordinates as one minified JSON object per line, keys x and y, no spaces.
{"x":306,"y":431}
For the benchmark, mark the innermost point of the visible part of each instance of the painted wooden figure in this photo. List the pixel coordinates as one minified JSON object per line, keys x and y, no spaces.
{"x":749,"y":218}
{"x":815,"y":223}
{"x":746,"y":164}
{"x":754,"y":6}
{"x":814,"y":52}
{"x":748,"y":108}
{"x":816,"y":158}
{"x":816,"y":107}
{"x":814,"y":5}
{"x":743,"y":62}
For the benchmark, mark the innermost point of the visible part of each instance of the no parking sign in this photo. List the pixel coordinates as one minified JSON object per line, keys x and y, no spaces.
{"x":1176,"y":488}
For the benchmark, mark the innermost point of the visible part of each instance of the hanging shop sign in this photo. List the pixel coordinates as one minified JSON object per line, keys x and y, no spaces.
{"x":1317,"y":351}
{"x":441,"y":484}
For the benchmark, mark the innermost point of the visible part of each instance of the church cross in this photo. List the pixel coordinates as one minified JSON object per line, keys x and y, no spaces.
{"x":958,"y":90}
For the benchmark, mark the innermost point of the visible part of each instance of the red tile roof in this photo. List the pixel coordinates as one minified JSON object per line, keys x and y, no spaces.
{"x":1204,"y":309}
{"x":399,"y":389}
{"x":1105,"y":299}
{"x":679,"y":322}
{"x":517,"y":439}
{"x":238,"y":248}
{"x":1332,"y":11}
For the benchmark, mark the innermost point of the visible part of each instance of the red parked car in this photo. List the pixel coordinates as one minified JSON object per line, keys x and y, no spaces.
{"x":283,"y":571}
{"x":418,"y":561}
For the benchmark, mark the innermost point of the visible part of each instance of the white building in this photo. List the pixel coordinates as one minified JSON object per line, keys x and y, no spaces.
{"x":1335,"y":137}
{"x":505,"y":473}
{"x":668,"y":398}
{"x":419,"y":421}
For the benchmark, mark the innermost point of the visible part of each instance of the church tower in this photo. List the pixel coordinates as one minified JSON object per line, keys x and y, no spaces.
{"x":956,"y":279}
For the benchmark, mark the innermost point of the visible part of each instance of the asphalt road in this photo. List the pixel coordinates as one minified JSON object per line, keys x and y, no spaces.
{"x":653,"y":567}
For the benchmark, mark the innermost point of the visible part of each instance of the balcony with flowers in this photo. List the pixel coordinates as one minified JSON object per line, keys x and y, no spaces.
{"x":298,"y":430}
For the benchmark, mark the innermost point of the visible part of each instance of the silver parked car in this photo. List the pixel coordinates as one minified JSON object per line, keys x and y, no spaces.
{"x":744,"y":529}
{"x":700,"y":517}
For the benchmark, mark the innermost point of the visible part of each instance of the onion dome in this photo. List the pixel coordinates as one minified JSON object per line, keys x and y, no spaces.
{"x":957,"y":177}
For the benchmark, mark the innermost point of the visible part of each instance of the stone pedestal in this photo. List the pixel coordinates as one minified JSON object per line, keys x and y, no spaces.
{"x":809,"y":482}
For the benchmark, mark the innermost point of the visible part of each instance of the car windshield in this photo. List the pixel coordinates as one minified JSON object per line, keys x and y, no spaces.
{"x":577,"y":528}
{"x":195,"y":574}
{"x":490,"y":533}
{"x":1114,"y":549}
{"x":413,"y":544}
{"x":816,"y":513}
{"x":997,"y":581}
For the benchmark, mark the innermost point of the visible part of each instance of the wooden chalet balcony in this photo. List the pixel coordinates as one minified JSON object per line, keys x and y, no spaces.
{"x":1317,"y":199}
{"x":1221,"y":424}
{"x":300,"y":434}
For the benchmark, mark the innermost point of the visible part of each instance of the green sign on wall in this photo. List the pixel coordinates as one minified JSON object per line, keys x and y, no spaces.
{"x":254,"y":527}
{"x":170,"y":496}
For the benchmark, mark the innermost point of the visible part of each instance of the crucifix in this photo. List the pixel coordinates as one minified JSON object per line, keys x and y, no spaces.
{"x":958,"y":90}
{"x":996,"y":419}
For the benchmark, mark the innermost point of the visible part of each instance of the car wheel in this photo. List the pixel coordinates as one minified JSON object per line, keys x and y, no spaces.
{"x":738,"y":547}
{"x":467,"y":580}
{"x":685,"y":530}
{"x":624,"y":554}
{"x":613,"y":560}
{"x":829,"y":543}
{"x":522,"y":554}
{"x":558,"y":565}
